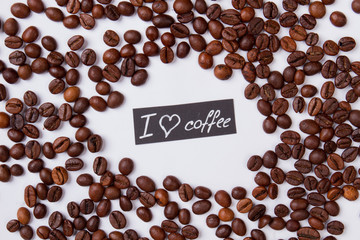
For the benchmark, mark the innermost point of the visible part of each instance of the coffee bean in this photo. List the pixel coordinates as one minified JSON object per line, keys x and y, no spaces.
{"x":296,"y":192}
{"x":190,"y":232}
{"x":26,"y":232}
{"x":76,"y":42}
{"x":94,"y":143}
{"x":288,"y":19}
{"x":87,"y":21}
{"x":273,"y":191}
{"x":338,"y":19}
{"x":147,"y":199}
{"x":59,"y":175}
{"x":145,"y":214}
{"x":54,"y":194}
{"x":201,"y":207}
{"x":20,"y":10}
{"x":13,"y":225}
{"x":185,"y":192}
{"x":256,"y":212}
{"x":55,"y":220}
{"x":117,"y":220}
{"x":145,"y":183}
{"x":335,"y":227}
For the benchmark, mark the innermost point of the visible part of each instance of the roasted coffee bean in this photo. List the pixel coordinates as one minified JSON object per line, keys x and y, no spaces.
{"x":147,"y":199}
{"x":55,"y":220}
{"x":202,"y":192}
{"x":256,"y":212}
{"x":100,"y":165}
{"x":213,"y":11}
{"x":212,"y":221}
{"x":335,"y":227}
{"x":201,"y":207}
{"x":162,"y":21}
{"x":94,"y":143}
{"x":145,"y":214}
{"x":26,"y":232}
{"x":36,"y":165}
{"x":190,"y":232}
{"x":288,"y":19}
{"x":185,"y":192}
{"x":296,"y":192}
{"x":84,"y":179}
{"x":111,"y":38}
{"x":73,"y":209}
{"x":346,"y":44}
{"x":125,"y":204}
{"x":54,"y":194}
{"x":112,"y":12}
{"x":87,"y":21}
{"x":117,"y":220}
{"x":184,"y":216}
{"x":86,"y":206}
{"x":145,"y":183}
{"x":259,"y":193}
{"x":103,"y":208}
{"x":13,"y":225}
{"x":270,"y":10}
{"x":273,"y":191}
{"x":171,"y":210}
{"x":17,"y":58}
{"x":252,"y":91}
{"x":244,"y":205}
{"x":171,"y":183}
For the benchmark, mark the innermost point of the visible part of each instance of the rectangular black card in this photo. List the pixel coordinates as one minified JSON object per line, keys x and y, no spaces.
{"x":185,"y":121}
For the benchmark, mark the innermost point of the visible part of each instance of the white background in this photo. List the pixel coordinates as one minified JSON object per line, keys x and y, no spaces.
{"x":215,"y":162}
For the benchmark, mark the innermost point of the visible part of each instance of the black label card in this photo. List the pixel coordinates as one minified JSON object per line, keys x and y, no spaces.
{"x":186,"y":121}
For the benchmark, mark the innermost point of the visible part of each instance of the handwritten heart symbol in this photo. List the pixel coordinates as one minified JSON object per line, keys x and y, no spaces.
{"x":167,"y":132}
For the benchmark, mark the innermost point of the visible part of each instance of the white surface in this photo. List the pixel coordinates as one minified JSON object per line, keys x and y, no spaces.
{"x":216,"y":162}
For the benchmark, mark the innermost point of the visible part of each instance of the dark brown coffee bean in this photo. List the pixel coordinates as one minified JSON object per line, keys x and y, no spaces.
{"x":55,"y":220}
{"x":111,"y":38}
{"x":139,"y":77}
{"x":112,"y":12}
{"x":54,"y":194}
{"x":100,"y":165}
{"x":288,"y":19}
{"x":20,"y":10}
{"x":117,"y":220}
{"x":76,"y":42}
{"x":184,"y":216}
{"x":87,"y":21}
{"x":213,"y":11}
{"x":147,"y":199}
{"x":270,"y":10}
{"x":256,"y":212}
{"x":26,"y":232}
{"x":125,"y":204}
{"x":190,"y":232}
{"x":201,"y":207}
{"x":145,"y":214}
{"x":346,"y":44}
{"x":162,"y":21}
{"x":212,"y":221}
{"x":335,"y":227}
{"x":13,"y":225}
{"x":330,"y":48}
{"x":94,"y":143}
{"x":145,"y":183}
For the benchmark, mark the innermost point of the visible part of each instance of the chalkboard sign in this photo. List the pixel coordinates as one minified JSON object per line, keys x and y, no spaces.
{"x":186,"y":121}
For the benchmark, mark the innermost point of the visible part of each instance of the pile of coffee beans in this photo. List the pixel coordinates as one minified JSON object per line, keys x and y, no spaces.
{"x":250,"y":41}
